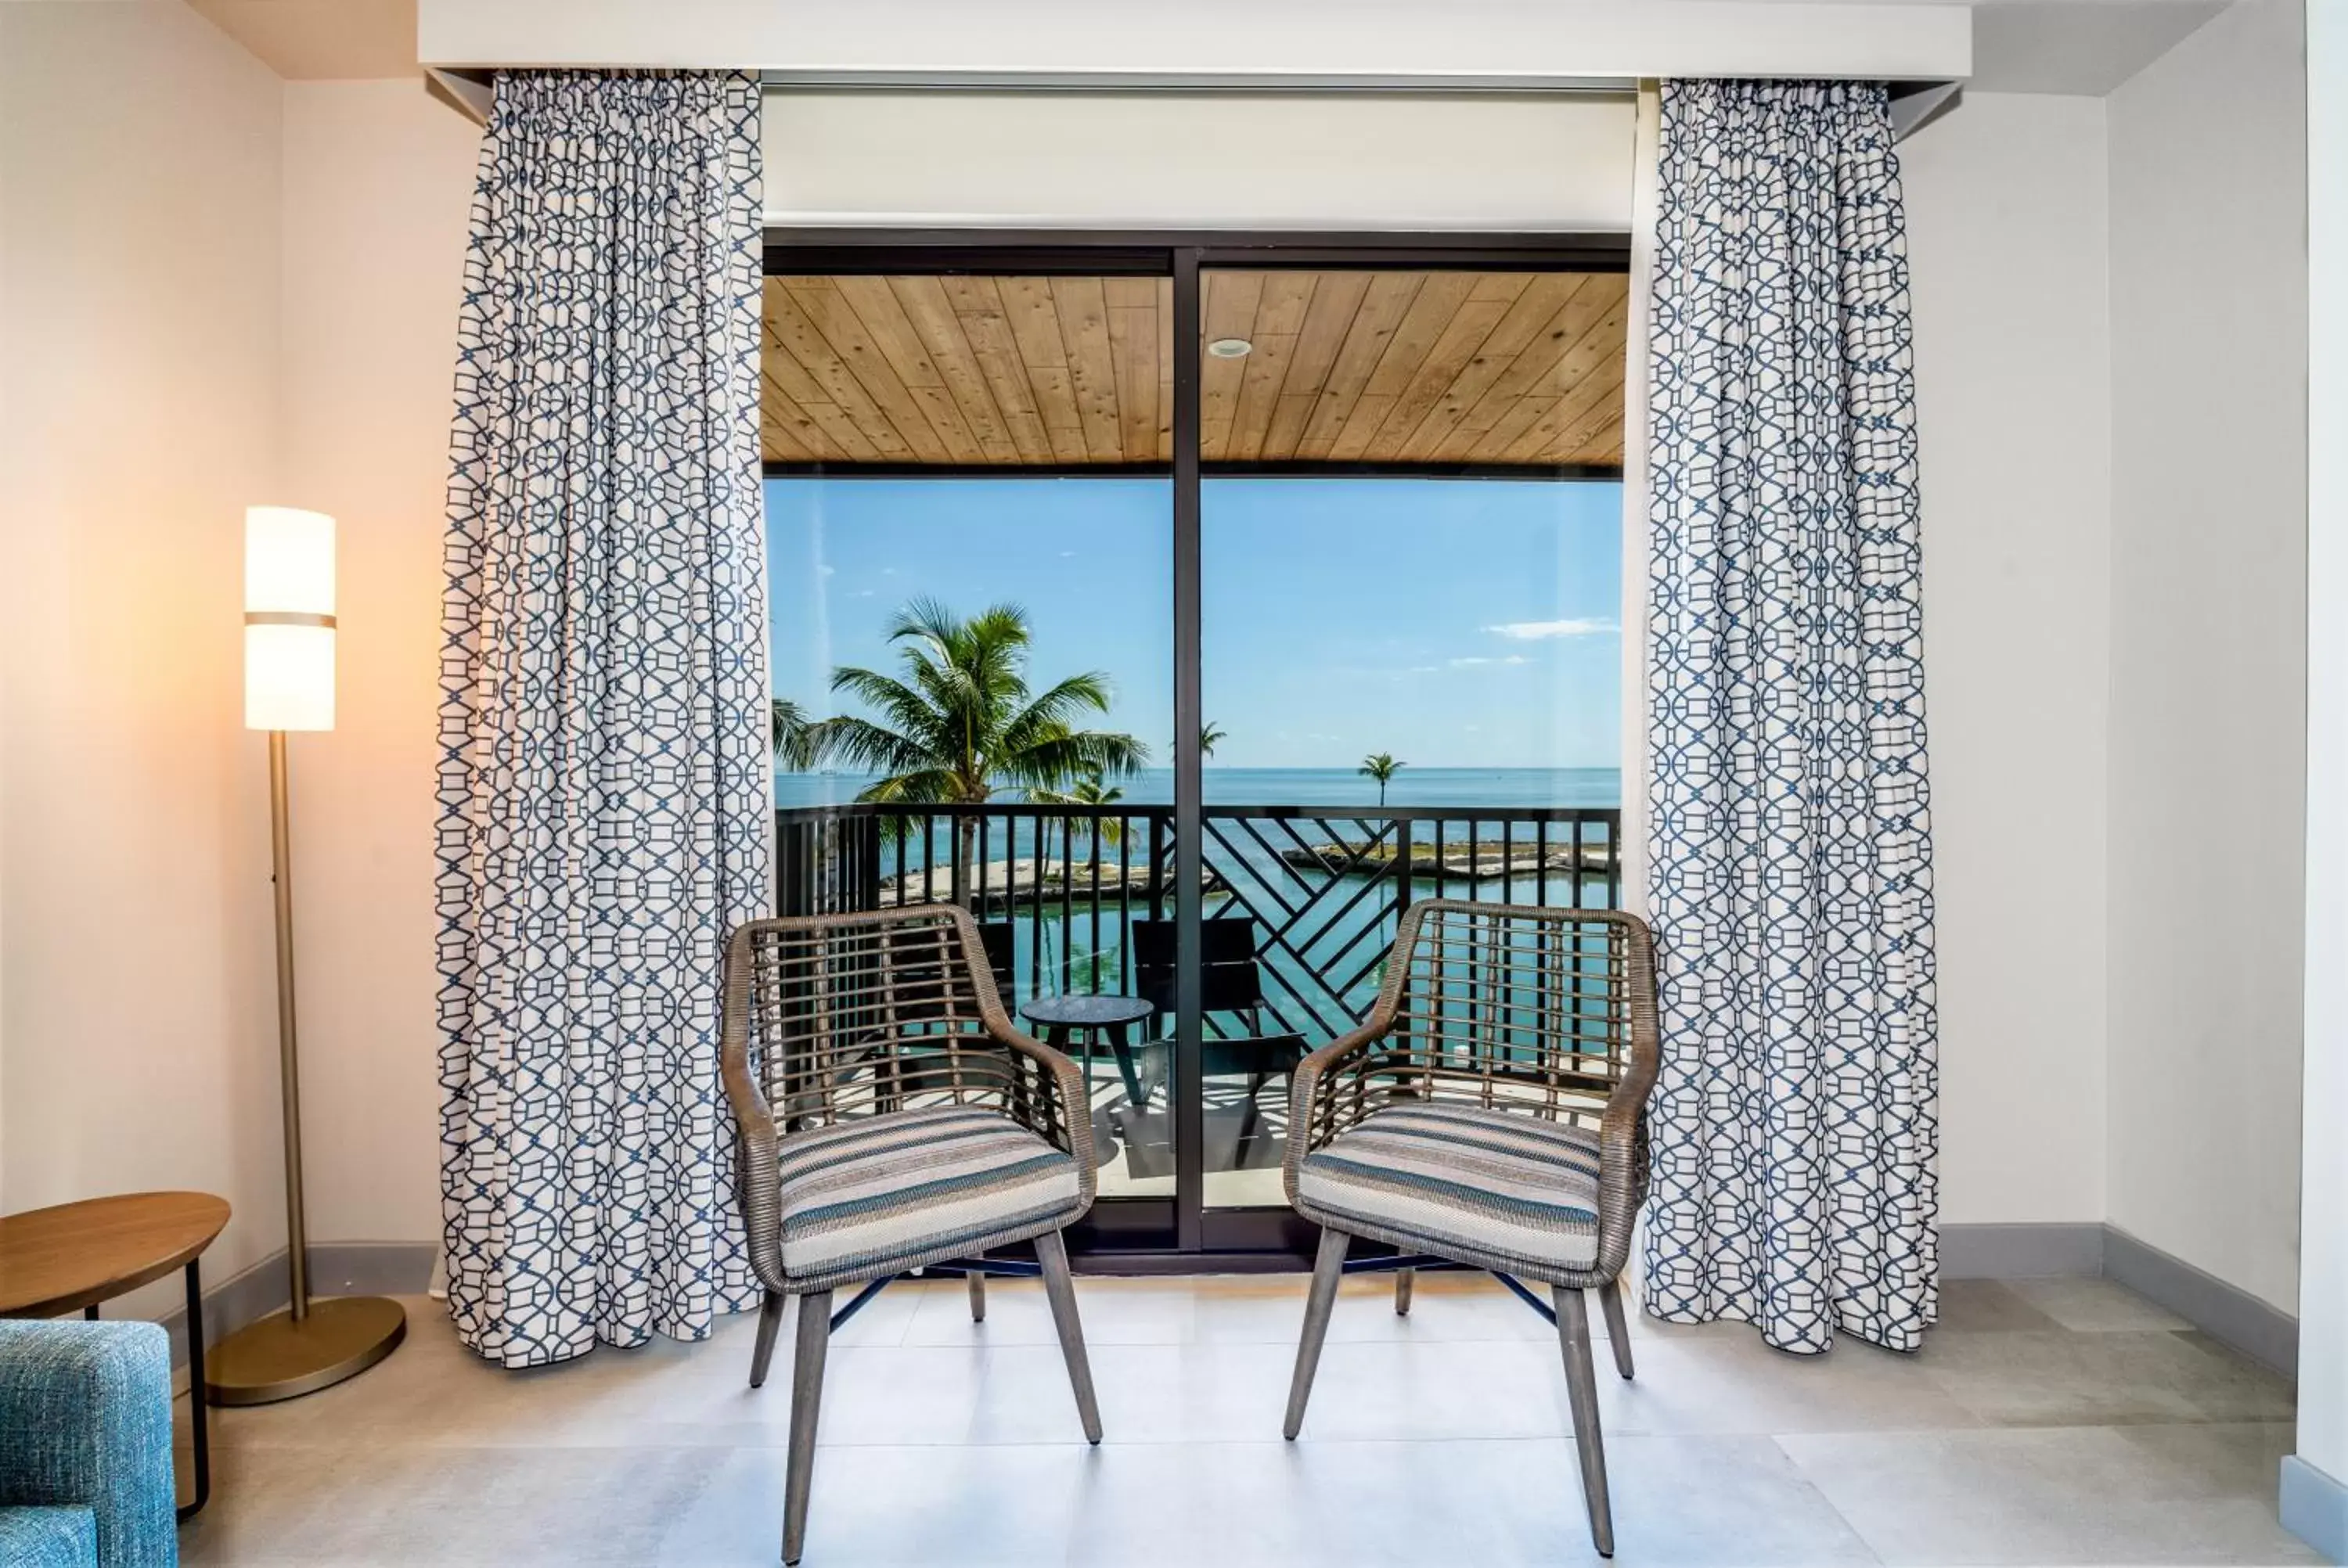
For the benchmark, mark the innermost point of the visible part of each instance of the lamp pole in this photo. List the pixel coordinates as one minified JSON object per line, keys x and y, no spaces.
{"x":289,"y":1067}
{"x":289,"y":684}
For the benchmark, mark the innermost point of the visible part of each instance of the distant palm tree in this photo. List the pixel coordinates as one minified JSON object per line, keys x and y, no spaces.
{"x":791,"y":727}
{"x":1085,"y":791}
{"x":1381,"y":766}
{"x":960,"y":723}
{"x":1090,"y":790}
{"x":1209,"y":734}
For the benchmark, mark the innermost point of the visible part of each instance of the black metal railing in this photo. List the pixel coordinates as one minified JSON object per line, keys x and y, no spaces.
{"x":1058,"y":890}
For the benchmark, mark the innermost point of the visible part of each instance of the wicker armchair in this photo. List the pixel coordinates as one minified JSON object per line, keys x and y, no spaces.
{"x":891,"y":1115}
{"x":1491,"y":1111}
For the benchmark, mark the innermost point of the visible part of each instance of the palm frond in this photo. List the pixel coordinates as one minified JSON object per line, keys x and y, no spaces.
{"x":864,"y":746}
{"x":1048,"y":763}
{"x":1057,"y":710}
{"x":791,"y":724}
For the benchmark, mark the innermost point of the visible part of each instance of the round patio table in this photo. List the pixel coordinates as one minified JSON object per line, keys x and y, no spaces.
{"x":75,"y":1255}
{"x":1098,"y":1017}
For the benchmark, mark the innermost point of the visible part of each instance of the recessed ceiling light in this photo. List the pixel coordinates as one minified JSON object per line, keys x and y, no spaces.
{"x":1230,"y":348}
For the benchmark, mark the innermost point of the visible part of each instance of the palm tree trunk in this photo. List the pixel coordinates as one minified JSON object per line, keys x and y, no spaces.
{"x":966,"y":833}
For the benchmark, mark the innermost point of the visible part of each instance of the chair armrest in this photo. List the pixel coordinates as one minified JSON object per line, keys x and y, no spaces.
{"x":86,"y":1419}
{"x":1623,"y":1126}
{"x":757,"y":1166}
{"x":1308,"y":1087}
{"x":1072,"y":1131}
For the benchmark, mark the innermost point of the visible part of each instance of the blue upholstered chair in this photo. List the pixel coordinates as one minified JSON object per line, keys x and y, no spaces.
{"x":85,"y":1446}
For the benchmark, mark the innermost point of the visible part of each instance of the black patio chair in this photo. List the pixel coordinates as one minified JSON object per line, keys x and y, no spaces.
{"x":1231,"y":983}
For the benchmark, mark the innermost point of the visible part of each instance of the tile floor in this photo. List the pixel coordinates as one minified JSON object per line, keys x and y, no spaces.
{"x":2047,"y":1422}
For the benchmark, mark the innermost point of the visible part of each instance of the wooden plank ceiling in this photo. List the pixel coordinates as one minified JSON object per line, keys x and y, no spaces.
{"x":1389,"y":367}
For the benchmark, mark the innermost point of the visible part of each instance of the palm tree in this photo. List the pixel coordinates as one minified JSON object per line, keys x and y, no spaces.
{"x":1381,"y":766}
{"x":791,"y":727}
{"x":1090,"y":790}
{"x":960,"y":721}
{"x":1209,"y":734}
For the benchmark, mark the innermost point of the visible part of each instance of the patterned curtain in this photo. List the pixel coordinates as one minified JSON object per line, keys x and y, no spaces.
{"x":1793,"y":1125}
{"x":605,"y":799}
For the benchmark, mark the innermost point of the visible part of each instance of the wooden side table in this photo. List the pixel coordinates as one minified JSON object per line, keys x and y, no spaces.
{"x":54,"y":1260}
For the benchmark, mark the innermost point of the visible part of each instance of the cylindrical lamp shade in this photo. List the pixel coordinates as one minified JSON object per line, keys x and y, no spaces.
{"x":289,"y":619}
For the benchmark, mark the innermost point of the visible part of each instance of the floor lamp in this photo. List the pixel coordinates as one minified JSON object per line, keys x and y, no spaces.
{"x":289,"y":684}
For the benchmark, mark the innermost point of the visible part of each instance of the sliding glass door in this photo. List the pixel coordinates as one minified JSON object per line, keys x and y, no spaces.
{"x":1184,"y":611}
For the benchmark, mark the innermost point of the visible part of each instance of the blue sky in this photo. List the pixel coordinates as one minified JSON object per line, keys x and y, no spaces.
{"x":1455,"y":623}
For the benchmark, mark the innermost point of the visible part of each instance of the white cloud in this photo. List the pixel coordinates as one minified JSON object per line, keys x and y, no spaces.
{"x":1479,"y":659}
{"x":1542,"y":630}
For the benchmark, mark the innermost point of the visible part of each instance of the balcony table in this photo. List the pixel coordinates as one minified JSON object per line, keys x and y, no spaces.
{"x":1097,"y":1016}
{"x":75,"y":1255}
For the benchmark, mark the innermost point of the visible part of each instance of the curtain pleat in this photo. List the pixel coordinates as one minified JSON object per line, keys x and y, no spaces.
{"x":604,"y":793}
{"x":1793,"y":1125}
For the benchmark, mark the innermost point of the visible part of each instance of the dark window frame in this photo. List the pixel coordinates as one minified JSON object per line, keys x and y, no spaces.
{"x":1150,"y":1236}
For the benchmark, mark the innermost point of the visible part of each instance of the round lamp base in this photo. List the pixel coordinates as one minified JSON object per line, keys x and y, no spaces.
{"x":278,"y":1358}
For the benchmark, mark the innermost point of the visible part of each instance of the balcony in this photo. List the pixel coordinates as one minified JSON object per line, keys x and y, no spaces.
{"x":1299,"y":907}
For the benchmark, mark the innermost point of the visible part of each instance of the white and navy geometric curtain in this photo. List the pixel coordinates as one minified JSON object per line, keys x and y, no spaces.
{"x":605,"y":802}
{"x":1794,"y":1125}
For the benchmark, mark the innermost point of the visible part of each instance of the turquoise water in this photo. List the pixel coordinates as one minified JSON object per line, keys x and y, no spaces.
{"x":1319,"y":932}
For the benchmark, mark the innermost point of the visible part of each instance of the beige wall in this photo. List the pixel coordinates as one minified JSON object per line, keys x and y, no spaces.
{"x":216,"y":288}
{"x":2209,"y":582}
{"x":138,"y":307}
{"x":2008,"y":251}
{"x":379,"y":180}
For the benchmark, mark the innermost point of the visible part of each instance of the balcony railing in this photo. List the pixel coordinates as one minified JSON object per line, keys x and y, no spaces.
{"x":1060,"y":889}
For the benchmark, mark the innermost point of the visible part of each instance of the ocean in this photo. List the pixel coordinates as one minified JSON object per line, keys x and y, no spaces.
{"x":1413,"y":786}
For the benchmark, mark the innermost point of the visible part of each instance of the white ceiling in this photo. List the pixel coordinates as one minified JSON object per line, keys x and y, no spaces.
{"x":2019,"y":45}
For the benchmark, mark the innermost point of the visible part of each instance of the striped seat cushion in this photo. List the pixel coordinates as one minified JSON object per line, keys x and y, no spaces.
{"x":881,"y":1193}
{"x":1459,"y":1178}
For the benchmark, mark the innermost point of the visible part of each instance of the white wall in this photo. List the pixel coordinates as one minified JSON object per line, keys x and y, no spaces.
{"x":378,"y":177}
{"x":2007,"y":245}
{"x":1183,"y":159}
{"x":2209,"y":464}
{"x":2323,"y":1185}
{"x":138,"y":300}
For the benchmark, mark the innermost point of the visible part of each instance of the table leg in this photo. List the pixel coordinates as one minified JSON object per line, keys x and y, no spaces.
{"x":1121,"y":1040}
{"x":199,"y":1408}
{"x":90,"y":1312}
{"x":1056,"y":1035}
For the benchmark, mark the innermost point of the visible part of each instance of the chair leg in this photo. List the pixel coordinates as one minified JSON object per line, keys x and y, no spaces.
{"x":977,"y":1279}
{"x":806,"y":1398}
{"x":1402,"y":1280}
{"x":1617,"y":1330}
{"x":1053,"y":1254}
{"x":1328,"y":1266}
{"x":770,"y":1320}
{"x":1582,"y":1389}
{"x":1243,"y":1147}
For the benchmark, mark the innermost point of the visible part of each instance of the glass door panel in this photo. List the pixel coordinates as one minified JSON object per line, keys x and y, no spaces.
{"x":969,"y":512}
{"x":1409,"y":535}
